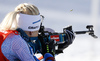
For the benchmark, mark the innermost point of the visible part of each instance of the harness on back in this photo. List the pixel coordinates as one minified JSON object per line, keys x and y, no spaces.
{"x":32,"y":41}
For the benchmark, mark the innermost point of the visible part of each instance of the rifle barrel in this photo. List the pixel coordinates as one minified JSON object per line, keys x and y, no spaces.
{"x":81,"y":32}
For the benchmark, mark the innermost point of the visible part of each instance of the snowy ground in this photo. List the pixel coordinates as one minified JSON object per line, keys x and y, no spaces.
{"x":59,"y":14}
{"x":82,"y":50}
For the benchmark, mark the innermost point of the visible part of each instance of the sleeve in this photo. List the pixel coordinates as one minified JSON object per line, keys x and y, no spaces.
{"x":20,"y":47}
{"x":48,"y":57}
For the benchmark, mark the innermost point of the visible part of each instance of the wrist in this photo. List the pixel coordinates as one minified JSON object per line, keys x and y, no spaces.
{"x":49,"y":57}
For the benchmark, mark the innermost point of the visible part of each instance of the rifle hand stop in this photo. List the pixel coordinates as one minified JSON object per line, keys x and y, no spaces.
{"x":90,"y":31}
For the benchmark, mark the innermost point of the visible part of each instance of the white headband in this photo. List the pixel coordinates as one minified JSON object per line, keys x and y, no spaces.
{"x":28,"y":22}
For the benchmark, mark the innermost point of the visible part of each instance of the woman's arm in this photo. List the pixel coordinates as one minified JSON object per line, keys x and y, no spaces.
{"x":20,"y":47}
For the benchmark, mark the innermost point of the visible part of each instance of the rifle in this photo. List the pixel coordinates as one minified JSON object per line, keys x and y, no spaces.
{"x":60,"y":37}
{"x":56,"y":35}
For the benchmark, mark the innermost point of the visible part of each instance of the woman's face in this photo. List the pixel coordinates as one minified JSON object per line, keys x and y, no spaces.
{"x":32,"y":33}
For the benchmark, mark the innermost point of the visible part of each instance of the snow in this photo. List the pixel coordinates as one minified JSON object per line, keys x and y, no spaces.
{"x":59,"y":14}
{"x":84,"y":49}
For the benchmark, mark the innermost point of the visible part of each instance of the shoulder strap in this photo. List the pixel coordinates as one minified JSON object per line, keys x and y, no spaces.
{"x":23,"y":34}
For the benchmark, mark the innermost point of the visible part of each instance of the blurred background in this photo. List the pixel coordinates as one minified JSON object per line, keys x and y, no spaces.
{"x":61,"y":13}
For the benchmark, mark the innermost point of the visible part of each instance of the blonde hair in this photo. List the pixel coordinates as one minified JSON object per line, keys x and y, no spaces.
{"x":10,"y":22}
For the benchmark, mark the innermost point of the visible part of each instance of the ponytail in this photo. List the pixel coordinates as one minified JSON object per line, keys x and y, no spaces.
{"x":9,"y":22}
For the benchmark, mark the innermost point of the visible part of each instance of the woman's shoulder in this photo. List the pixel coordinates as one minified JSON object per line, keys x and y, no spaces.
{"x":5,"y":33}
